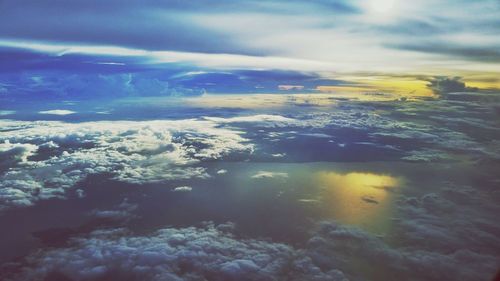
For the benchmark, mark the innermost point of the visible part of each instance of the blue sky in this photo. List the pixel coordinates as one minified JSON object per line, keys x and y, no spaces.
{"x":242,"y":46}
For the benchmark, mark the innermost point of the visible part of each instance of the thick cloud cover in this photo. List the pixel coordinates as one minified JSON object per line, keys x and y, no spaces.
{"x":363,"y":39}
{"x":444,"y":231}
{"x":333,"y":252}
{"x":151,"y":25}
{"x":43,"y":159}
{"x":448,"y":233}
{"x":28,"y":74}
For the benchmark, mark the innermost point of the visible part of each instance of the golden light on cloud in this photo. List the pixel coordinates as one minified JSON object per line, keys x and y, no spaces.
{"x":260,"y":100}
{"x":401,"y":86}
{"x":482,"y":80}
{"x":359,"y":198}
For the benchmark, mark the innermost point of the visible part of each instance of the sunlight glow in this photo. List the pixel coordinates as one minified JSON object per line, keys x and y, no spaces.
{"x":382,"y":11}
{"x":360,"y":198}
{"x":382,"y":6}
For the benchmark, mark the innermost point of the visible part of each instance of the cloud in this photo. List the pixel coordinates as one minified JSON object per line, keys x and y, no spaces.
{"x":11,"y":154}
{"x":427,"y":155}
{"x":155,"y":26}
{"x":262,"y":120}
{"x":121,"y":212}
{"x":156,"y":151}
{"x":184,"y":188}
{"x":332,"y":252}
{"x":7,"y":112}
{"x":166,"y":25}
{"x":51,"y":85}
{"x":290,"y":87}
{"x":269,"y":175}
{"x":485,"y":54}
{"x":134,"y":152}
{"x":278,"y":155}
{"x":221,"y":172}
{"x":84,"y":76}
{"x":57,"y":112}
{"x":444,"y":85}
{"x":215,"y":36}
{"x":192,"y":253}
{"x":339,"y":247}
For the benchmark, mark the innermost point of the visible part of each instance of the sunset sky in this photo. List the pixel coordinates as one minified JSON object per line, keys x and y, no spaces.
{"x":249,"y":140}
{"x":250,"y":46}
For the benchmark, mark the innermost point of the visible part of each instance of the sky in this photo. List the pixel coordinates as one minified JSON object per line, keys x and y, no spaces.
{"x":56,"y":49}
{"x":319,"y":140}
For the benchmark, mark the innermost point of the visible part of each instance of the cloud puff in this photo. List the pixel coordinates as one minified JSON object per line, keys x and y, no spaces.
{"x":11,"y":154}
{"x":290,"y":87}
{"x":269,"y":175}
{"x":57,"y":112}
{"x":6,"y":112}
{"x":444,"y":85}
{"x":135,"y":152}
{"x":262,"y":120}
{"x":184,"y":188}
{"x":123,"y":211}
{"x":221,"y":172}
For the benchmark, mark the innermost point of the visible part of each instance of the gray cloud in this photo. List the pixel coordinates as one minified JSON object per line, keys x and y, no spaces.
{"x":334,"y":252}
{"x":443,"y":85}
{"x":173,"y":254}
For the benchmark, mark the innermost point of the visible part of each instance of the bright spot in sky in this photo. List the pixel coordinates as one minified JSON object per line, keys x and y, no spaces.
{"x":358,"y":198}
{"x":381,"y":6}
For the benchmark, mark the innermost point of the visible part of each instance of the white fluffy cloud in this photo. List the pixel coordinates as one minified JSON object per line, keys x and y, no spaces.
{"x":262,"y":120}
{"x":57,"y":112}
{"x":269,"y":175}
{"x":42,"y":159}
{"x":210,"y":252}
{"x":11,"y":154}
{"x":136,"y":152}
{"x":183,"y":188}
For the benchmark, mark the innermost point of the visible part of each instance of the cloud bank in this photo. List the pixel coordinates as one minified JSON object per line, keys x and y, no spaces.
{"x":42,"y":160}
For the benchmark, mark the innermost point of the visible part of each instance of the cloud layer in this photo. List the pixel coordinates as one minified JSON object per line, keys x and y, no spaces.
{"x":211,"y":43}
{"x":43,"y":159}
